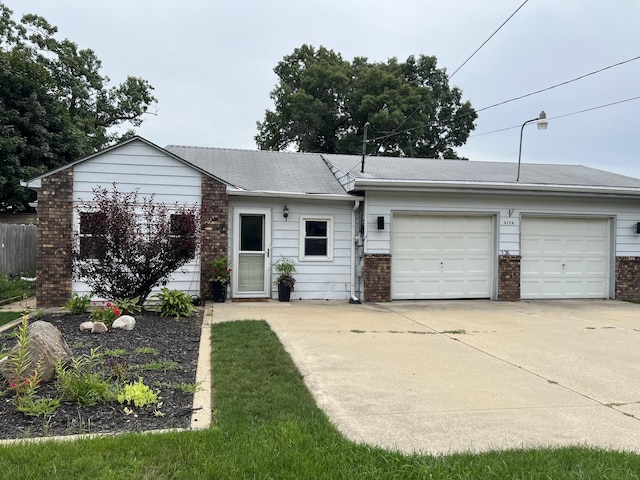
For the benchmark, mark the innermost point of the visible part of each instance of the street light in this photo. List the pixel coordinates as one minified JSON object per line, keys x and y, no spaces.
{"x":542,"y":125}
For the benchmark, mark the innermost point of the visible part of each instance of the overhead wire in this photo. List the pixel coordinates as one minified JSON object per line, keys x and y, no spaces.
{"x":490,"y":37}
{"x":561,"y":116}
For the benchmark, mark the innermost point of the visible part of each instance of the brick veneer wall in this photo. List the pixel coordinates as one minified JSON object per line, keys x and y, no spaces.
{"x":627,"y":278}
{"x":509,"y":277}
{"x":377,"y":277}
{"x":54,"y":238}
{"x":215,"y":228}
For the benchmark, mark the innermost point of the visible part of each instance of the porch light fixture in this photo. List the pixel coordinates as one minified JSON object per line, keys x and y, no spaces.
{"x":542,"y":125}
{"x":285,"y":212}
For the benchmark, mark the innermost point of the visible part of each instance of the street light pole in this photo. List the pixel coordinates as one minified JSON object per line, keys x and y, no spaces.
{"x":542,"y":125}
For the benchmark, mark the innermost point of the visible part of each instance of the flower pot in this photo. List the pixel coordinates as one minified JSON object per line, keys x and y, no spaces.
{"x":219,"y":291}
{"x":284,"y":293}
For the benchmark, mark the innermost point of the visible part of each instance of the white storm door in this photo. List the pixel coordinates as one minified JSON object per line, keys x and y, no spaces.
{"x":252,"y":245}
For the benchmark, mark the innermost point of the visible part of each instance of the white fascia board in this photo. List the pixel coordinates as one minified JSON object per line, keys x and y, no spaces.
{"x":33,"y":183}
{"x":316,"y":196}
{"x":519,"y":188}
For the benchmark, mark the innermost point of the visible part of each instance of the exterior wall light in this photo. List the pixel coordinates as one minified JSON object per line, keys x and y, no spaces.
{"x":543,"y":123}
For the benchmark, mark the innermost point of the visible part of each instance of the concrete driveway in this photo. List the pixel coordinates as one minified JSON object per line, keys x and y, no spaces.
{"x":449,"y":376}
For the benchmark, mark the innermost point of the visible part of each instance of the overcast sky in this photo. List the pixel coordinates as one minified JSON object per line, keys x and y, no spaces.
{"x":211,"y":63}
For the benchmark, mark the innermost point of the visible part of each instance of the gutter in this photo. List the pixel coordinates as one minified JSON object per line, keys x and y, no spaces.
{"x":316,"y":196}
{"x":523,"y":188}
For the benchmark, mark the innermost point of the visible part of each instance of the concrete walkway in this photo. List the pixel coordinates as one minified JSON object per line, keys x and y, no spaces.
{"x":442,"y":376}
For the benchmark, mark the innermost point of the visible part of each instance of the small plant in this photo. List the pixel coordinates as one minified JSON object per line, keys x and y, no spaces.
{"x":285,"y":269}
{"x":130,"y":306}
{"x":163,"y":365}
{"x":119,"y":370}
{"x":174,"y":303}
{"x":106,"y":313}
{"x":115,"y":352}
{"x":78,"y":304}
{"x":220,"y":271}
{"x":138,"y":394}
{"x":20,"y":379}
{"x":80,"y":383}
{"x":146,"y":351}
{"x":37,"y":407}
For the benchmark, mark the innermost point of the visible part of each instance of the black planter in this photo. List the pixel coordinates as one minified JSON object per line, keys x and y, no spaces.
{"x":219,"y":292}
{"x":284,"y":293}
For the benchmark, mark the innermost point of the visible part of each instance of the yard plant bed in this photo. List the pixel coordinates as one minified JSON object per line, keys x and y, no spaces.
{"x":162,"y":351}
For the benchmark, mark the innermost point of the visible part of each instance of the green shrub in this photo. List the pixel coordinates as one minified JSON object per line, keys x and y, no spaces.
{"x":130,"y":306}
{"x":106,"y":313}
{"x":78,"y":304}
{"x":139,"y":394}
{"x":174,"y":303}
{"x":12,"y":286}
{"x":80,"y":382}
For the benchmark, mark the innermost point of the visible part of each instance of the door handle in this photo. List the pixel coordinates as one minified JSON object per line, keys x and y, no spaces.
{"x":268,"y":253}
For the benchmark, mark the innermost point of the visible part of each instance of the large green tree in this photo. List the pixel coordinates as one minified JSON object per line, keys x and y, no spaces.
{"x":322,"y":103}
{"x":55,"y":105}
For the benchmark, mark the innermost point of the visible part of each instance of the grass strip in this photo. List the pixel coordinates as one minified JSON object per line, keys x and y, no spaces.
{"x":6,"y":317}
{"x":268,"y":426}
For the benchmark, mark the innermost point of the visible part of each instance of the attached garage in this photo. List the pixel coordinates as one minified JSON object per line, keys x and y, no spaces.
{"x":565,"y":257}
{"x":442,"y":256}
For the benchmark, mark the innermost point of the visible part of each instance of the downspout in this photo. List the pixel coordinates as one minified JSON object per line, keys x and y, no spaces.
{"x":354,"y":241}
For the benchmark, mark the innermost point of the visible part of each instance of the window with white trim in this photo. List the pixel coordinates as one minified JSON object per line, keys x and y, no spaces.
{"x":316,"y":238}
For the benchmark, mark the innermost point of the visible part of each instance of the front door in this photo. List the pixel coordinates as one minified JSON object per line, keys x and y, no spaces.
{"x":251,"y":253}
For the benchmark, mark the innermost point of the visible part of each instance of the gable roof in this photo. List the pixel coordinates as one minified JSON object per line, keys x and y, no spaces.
{"x":387,"y":172}
{"x":265,"y":171}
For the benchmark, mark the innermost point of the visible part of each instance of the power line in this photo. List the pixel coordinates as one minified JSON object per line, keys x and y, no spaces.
{"x":561,"y":116}
{"x":490,"y":37}
{"x":559,"y":84}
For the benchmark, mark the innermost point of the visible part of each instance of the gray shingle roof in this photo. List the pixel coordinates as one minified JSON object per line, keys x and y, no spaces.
{"x":256,"y":170}
{"x":422,"y":169}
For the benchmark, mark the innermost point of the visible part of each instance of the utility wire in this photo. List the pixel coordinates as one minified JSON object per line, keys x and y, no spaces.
{"x":561,"y":116}
{"x":559,"y":84}
{"x":490,"y":37}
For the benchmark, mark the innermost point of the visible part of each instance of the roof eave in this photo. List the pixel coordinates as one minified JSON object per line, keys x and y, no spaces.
{"x":273,"y":194}
{"x":519,"y":188}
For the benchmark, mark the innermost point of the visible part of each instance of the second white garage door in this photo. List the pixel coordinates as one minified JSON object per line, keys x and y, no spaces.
{"x":565,"y":257}
{"x":441,"y":256}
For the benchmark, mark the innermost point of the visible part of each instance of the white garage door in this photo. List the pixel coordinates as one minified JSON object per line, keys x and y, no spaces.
{"x":565,"y":257}
{"x":441,"y":256}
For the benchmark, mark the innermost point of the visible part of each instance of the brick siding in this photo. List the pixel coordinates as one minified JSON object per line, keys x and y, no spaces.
{"x":627,"y":278}
{"x":509,"y":277}
{"x":54,"y":237}
{"x":377,"y":277}
{"x":215,"y":228}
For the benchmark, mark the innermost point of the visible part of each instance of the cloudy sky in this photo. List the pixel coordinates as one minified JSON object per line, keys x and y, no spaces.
{"x":211,"y":63}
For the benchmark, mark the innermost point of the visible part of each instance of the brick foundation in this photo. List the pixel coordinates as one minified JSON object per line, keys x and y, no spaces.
{"x":509,"y":277}
{"x":627,"y":278}
{"x":377,"y":277}
{"x":55,"y":237}
{"x":215,"y":228}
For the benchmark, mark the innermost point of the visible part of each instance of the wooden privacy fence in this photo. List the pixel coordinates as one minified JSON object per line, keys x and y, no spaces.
{"x":17,"y":249}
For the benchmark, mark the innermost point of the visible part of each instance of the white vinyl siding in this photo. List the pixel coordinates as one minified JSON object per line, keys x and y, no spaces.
{"x":565,"y":257}
{"x":318,"y":279}
{"x":442,"y":256}
{"x":142,"y":167}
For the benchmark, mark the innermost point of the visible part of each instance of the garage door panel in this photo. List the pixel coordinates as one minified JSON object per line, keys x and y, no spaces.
{"x":442,"y":257}
{"x":565,"y":258}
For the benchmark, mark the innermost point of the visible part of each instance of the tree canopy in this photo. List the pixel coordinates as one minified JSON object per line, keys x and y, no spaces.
{"x":322,"y":103}
{"x":55,"y":106}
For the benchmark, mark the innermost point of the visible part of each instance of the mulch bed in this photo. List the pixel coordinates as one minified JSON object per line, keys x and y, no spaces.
{"x":174,"y":344}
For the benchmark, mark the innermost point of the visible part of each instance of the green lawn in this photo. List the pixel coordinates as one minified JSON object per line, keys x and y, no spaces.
{"x":266,"y":425}
{"x":6,"y":317}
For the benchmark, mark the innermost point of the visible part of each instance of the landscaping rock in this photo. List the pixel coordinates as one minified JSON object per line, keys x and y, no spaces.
{"x":86,"y":326}
{"x":99,"y":327}
{"x":125,"y":322}
{"x":46,"y":347}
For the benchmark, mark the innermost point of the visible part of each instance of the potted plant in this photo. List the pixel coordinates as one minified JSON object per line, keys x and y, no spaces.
{"x":220,"y":278}
{"x":285,"y":281}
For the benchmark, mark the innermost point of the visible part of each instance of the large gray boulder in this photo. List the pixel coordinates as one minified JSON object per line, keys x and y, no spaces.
{"x":46,"y":347}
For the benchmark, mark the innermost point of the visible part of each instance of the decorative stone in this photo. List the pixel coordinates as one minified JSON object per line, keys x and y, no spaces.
{"x":125,"y":322}
{"x":86,"y":326}
{"x":46,"y":347}
{"x":99,"y":327}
